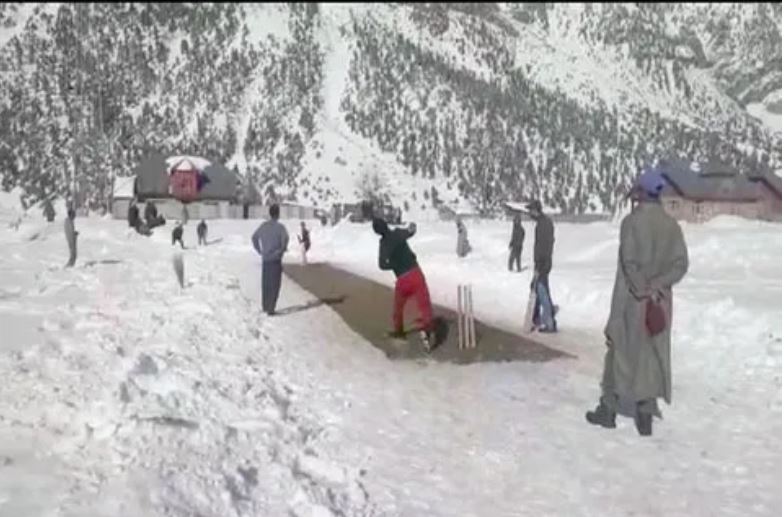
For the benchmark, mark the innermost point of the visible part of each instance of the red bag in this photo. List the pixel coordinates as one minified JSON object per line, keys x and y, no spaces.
{"x":655,"y":317}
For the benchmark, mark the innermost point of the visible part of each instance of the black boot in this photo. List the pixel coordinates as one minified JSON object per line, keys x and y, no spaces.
{"x":602,"y":416}
{"x":644,"y":423}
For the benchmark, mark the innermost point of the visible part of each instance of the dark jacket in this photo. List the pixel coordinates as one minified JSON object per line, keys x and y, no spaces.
{"x":48,"y":211}
{"x":518,"y":236}
{"x":150,"y":212}
{"x":201,"y":229}
{"x":393,"y":250}
{"x":177,"y":234}
{"x":544,"y":239}
{"x":133,"y":216}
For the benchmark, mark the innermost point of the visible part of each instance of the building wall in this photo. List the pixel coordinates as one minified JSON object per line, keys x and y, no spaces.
{"x":171,"y":209}
{"x":120,"y":208}
{"x":701,"y":211}
{"x":771,"y":203}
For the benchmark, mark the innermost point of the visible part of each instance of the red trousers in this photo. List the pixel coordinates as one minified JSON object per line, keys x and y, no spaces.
{"x":412,"y":284}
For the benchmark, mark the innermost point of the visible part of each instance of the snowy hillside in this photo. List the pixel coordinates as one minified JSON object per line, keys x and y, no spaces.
{"x":483,"y":102}
{"x":123,"y":396}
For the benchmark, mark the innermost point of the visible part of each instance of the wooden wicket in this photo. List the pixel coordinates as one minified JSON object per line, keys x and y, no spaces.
{"x":466,"y":328}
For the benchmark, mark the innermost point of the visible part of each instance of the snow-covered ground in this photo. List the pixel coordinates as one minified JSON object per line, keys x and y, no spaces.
{"x":123,"y":396}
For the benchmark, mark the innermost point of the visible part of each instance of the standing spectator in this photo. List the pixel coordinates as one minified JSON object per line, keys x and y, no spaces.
{"x":48,"y":210}
{"x":652,"y":258}
{"x":304,"y":241}
{"x":177,"y":235}
{"x":70,"y":236}
{"x":516,"y":244}
{"x":463,"y":247}
{"x":201,"y":232}
{"x":133,"y":215}
{"x":151,"y":214}
{"x":271,"y":240}
{"x":544,"y":240}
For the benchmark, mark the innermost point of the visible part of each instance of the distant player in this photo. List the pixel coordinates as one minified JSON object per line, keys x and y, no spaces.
{"x":177,"y":235}
{"x":463,"y":246}
{"x":304,"y":241}
{"x":201,"y":232}
{"x":516,"y":244}
{"x":71,"y":236}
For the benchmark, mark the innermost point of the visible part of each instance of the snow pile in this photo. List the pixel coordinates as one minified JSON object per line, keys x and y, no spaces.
{"x":10,"y":205}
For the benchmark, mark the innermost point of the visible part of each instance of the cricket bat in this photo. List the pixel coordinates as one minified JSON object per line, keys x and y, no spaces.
{"x":528,"y":324}
{"x":179,"y":268}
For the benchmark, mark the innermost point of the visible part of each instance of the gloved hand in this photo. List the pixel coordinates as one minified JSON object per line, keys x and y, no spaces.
{"x":412,"y":227}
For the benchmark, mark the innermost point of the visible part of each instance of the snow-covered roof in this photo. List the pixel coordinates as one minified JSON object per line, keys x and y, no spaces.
{"x":193,"y":162}
{"x":123,"y":188}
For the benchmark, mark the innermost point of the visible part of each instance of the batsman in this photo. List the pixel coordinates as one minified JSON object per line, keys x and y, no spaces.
{"x":395,"y":254}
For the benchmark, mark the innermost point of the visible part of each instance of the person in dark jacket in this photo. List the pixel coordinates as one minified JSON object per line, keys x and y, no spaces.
{"x":395,"y":254}
{"x":177,"y":235}
{"x":271,"y":240}
{"x":463,"y":246}
{"x":48,"y":210}
{"x":151,"y":214}
{"x":133,"y":215}
{"x":544,"y":240}
{"x":70,"y":236}
{"x":304,"y":241}
{"x":201,"y":232}
{"x":516,"y":244}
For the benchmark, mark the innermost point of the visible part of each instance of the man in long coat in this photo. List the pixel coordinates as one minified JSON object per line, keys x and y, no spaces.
{"x":652,"y":258}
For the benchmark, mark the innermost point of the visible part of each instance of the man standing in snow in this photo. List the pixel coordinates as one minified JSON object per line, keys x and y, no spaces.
{"x":70,"y":236}
{"x":177,"y":235}
{"x":201,"y":233}
{"x":395,"y":254}
{"x":271,"y":240}
{"x":652,"y":258}
{"x":133,"y":215}
{"x":304,"y":241}
{"x":463,"y":246}
{"x":151,"y":214}
{"x":48,"y":210}
{"x":516,"y":244}
{"x":544,"y":240}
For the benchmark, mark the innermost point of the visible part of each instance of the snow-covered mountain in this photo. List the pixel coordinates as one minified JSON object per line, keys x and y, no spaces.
{"x":485,"y":102}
